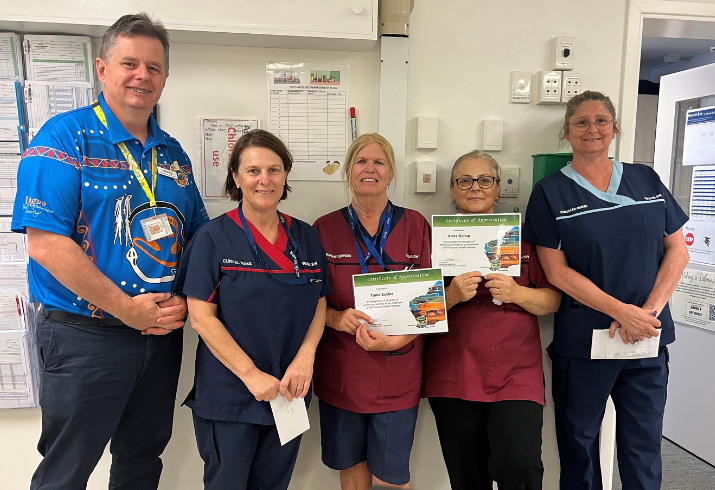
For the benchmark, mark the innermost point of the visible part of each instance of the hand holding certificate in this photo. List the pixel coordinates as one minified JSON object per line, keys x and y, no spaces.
{"x":402,"y":302}
{"x":480,"y":242}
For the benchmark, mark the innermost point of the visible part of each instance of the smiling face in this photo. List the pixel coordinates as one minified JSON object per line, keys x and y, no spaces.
{"x":261,"y":176}
{"x":593,"y":140}
{"x":134,"y":76}
{"x":371,"y":173}
{"x":475,"y":200}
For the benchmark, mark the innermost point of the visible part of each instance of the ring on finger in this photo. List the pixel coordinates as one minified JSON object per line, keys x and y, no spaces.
{"x":497,"y":290}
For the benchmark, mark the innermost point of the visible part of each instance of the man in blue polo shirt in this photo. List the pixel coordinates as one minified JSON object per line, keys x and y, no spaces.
{"x":108,"y":202}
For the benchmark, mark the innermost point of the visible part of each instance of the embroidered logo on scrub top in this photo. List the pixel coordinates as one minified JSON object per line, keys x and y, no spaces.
{"x":567,"y":211}
{"x":339,"y":256}
{"x":237,"y":262}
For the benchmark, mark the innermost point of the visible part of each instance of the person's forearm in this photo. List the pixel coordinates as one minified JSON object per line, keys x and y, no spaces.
{"x":449,"y":297}
{"x":331,"y":315}
{"x":222,"y":345}
{"x":584,"y":290}
{"x":71,"y":266}
{"x":671,"y":268}
{"x":315,"y":331}
{"x":538,"y":301}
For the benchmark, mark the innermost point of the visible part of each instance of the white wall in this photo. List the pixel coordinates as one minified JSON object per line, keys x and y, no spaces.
{"x":461,"y":56}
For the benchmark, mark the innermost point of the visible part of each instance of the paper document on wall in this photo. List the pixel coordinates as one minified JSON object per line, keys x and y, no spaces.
{"x":699,"y":137}
{"x":19,"y":373}
{"x":218,"y":137}
{"x":13,"y":277}
{"x":9,"y":164}
{"x":291,"y":417}
{"x":308,"y":107}
{"x":48,"y":99}
{"x":702,"y":192}
{"x":693,"y":301}
{"x":603,"y":347}
{"x":59,"y":58}
{"x":10,"y":57}
{"x":13,"y":248}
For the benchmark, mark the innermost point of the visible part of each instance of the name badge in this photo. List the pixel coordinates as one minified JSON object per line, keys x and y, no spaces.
{"x":156,"y":227}
{"x":166,"y":172}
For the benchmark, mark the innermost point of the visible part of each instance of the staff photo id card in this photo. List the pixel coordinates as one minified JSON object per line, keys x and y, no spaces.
{"x":402,"y":302}
{"x":480,"y":242}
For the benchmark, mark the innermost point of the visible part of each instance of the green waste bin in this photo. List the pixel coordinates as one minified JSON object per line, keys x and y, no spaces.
{"x":546,"y":164}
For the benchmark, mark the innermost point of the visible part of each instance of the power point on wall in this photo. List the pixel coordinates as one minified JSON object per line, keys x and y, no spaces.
{"x":563,"y":53}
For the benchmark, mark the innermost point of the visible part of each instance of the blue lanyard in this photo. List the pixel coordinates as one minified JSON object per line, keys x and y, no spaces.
{"x":293,"y":253}
{"x":356,"y":226}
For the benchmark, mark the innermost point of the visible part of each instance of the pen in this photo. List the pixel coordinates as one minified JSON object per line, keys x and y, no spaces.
{"x":353,"y":122}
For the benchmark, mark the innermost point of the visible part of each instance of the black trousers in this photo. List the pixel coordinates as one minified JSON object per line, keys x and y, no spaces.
{"x":485,"y":442}
{"x":102,"y":383}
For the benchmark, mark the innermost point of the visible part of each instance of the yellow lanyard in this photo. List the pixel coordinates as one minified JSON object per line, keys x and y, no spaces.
{"x":133,"y":163}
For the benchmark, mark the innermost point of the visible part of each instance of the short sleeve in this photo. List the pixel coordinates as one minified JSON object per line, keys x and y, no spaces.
{"x":537,"y":277}
{"x":426,"y":254}
{"x":675,"y":217}
{"x":49,"y":183}
{"x":540,"y":225}
{"x":326,"y":289}
{"x":202,"y":268}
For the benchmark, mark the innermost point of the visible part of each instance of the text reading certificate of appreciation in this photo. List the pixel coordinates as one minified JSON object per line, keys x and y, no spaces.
{"x":402,"y":302}
{"x":479,"y":242}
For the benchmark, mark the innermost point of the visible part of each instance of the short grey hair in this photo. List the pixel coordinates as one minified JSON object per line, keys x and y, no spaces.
{"x":140,"y":24}
{"x":475,"y":155}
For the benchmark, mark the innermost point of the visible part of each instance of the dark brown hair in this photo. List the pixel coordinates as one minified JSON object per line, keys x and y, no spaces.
{"x":258,"y":138}
{"x":579,"y":99}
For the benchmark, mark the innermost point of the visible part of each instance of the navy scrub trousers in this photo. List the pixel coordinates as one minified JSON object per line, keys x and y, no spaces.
{"x":100,"y":383}
{"x":580,"y":390}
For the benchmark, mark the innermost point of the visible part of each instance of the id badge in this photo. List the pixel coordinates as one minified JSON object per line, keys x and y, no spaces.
{"x":166,"y":172}
{"x":156,"y":227}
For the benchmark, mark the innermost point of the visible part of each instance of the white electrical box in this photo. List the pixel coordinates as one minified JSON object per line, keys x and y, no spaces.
{"x":426,"y":176}
{"x":520,"y":87}
{"x":548,"y":87}
{"x":427,"y":130}
{"x":562,"y":53}
{"x":570,"y":86}
{"x":509,"y":182}
{"x":492,"y":134}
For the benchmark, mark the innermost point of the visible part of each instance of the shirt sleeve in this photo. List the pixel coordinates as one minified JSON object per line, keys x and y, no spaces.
{"x":537,"y":277}
{"x":49,"y":183}
{"x":326,"y":289}
{"x":203,"y":269}
{"x":675,"y":217}
{"x":426,"y":254}
{"x":540,"y":224}
{"x":199,"y":215}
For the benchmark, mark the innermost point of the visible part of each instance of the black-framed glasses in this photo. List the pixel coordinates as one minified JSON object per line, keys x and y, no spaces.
{"x":584,"y":124}
{"x":484,"y":182}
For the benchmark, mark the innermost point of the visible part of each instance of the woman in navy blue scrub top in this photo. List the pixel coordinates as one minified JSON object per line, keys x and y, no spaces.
{"x":256,"y":282}
{"x":608,"y":234}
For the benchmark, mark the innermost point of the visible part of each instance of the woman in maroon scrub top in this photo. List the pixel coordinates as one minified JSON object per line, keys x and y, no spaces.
{"x":484,"y":378}
{"x":368,"y":383}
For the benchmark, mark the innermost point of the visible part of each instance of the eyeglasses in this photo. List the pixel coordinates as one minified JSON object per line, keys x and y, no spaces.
{"x":584,"y":124}
{"x":484,"y":182}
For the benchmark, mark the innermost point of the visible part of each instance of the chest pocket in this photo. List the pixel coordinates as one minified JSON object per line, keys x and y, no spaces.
{"x":653,"y":222}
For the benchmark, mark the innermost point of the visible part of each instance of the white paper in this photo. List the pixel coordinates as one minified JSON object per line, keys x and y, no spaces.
{"x":291,"y":417}
{"x":402,"y":302}
{"x":603,"y":347}
{"x":702,"y":192}
{"x":10,"y":57}
{"x":13,"y":277}
{"x":693,"y":301}
{"x":477,"y":242}
{"x":59,"y":58}
{"x":308,"y":107}
{"x":19,"y":367}
{"x":700,"y":239}
{"x":9,"y":112}
{"x":12,"y":245}
{"x":218,"y":137}
{"x":47,"y":99}
{"x":11,"y":311}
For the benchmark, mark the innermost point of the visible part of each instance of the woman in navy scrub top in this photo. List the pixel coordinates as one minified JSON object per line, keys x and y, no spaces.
{"x":256,"y":282}
{"x":368,"y":383}
{"x":484,"y":378}
{"x":608,"y":234}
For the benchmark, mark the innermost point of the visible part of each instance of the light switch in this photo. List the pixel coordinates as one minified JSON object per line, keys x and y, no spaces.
{"x":492,"y":134}
{"x":427,"y":130}
{"x":509,"y":182}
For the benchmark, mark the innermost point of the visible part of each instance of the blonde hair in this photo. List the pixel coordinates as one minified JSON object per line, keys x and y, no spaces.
{"x":577,"y":100}
{"x":475,"y":155}
{"x":361,"y":142}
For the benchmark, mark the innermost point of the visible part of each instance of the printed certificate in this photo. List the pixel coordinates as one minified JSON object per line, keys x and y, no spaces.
{"x":402,"y":302}
{"x":477,"y":242}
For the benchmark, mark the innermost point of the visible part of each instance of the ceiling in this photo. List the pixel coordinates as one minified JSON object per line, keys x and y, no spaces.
{"x":685,"y":38}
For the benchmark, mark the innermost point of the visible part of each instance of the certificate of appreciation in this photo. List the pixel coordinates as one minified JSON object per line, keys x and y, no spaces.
{"x":402,"y":302}
{"x":477,"y":242}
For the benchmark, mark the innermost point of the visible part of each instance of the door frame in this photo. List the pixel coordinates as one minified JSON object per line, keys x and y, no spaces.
{"x":638,"y":11}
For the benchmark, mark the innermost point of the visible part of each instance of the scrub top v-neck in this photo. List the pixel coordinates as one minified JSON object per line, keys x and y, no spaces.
{"x":614,"y":238}
{"x":259,"y":302}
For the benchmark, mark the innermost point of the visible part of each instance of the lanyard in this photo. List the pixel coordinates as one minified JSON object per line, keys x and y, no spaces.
{"x":293,"y":253}
{"x":132,"y":162}
{"x":356,"y":226}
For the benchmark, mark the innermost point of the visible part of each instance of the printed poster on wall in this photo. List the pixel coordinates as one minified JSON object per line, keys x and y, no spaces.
{"x":218,"y":137}
{"x":308,"y":110}
{"x":693,"y":301}
{"x":700,"y":240}
{"x":699,"y":137}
